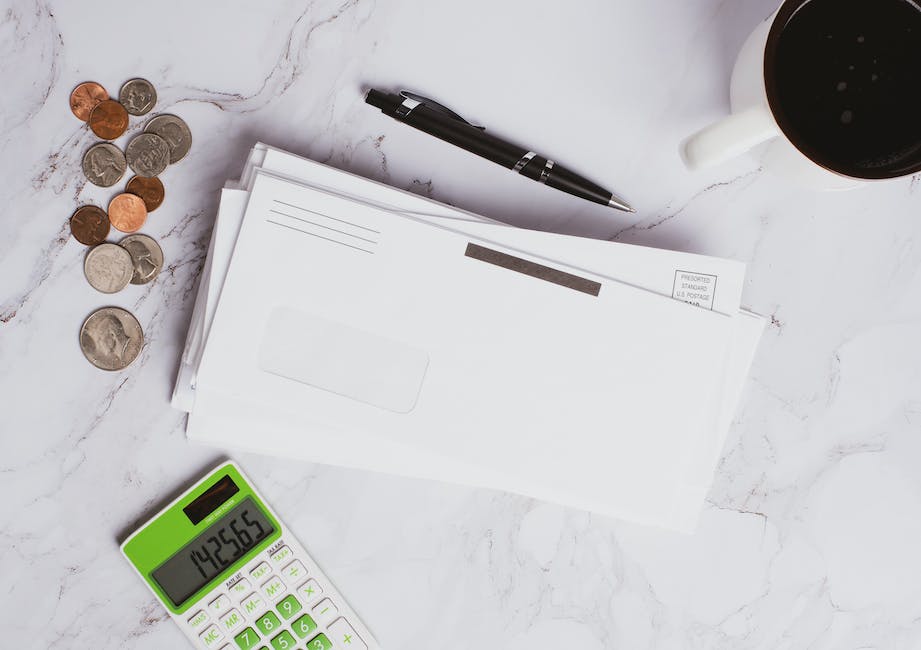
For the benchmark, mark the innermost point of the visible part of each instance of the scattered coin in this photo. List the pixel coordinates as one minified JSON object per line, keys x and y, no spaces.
{"x":104,"y":164}
{"x":127,"y":212}
{"x":146,"y":255}
{"x":89,"y":225}
{"x":148,"y":154}
{"x":84,"y":98}
{"x":138,"y":96}
{"x":175,"y":132}
{"x":108,"y":268}
{"x":150,"y":190}
{"x":108,"y":119}
{"x":111,"y":338}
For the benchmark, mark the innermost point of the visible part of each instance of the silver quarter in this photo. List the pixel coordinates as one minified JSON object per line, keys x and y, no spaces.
{"x":175,"y":132}
{"x":108,"y":268}
{"x":146,"y":256}
{"x":138,"y":96}
{"x":104,"y":164}
{"x":111,"y":338}
{"x":148,"y":154}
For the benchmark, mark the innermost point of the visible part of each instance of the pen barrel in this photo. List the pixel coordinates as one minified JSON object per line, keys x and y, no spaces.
{"x":465,"y":136}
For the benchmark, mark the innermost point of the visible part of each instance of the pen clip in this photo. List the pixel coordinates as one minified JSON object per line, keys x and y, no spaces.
{"x":441,"y":108}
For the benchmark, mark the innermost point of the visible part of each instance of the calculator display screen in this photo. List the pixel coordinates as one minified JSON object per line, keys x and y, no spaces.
{"x":211,"y":552}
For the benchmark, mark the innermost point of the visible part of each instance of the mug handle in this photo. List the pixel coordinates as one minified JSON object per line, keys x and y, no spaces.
{"x":729,"y":138}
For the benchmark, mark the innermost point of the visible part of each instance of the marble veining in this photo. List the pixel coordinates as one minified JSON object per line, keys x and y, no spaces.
{"x":811,"y":531}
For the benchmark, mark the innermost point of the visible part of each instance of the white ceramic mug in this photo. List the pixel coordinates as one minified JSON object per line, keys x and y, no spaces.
{"x":754,"y":125}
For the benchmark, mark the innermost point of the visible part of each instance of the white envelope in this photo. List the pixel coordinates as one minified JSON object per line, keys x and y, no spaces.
{"x":451,"y":373}
{"x":231,"y":427}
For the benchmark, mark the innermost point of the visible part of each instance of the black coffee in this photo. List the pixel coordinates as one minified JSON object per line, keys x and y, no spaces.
{"x":844,"y":81}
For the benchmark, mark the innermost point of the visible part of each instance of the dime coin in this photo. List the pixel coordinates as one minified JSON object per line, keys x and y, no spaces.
{"x":111,"y":338}
{"x":108,"y":119}
{"x":127,"y":212}
{"x":108,"y":268}
{"x":175,"y":132}
{"x":90,"y":225}
{"x":104,"y":164}
{"x":147,"y":154}
{"x":149,"y":189}
{"x":146,"y":255}
{"x":138,"y":96}
{"x":84,"y":98}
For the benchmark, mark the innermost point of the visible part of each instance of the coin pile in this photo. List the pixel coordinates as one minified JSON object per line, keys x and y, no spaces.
{"x":111,"y":338}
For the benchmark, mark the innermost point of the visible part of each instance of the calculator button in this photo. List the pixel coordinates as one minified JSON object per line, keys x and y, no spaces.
{"x":260,"y":571}
{"x":211,"y":637}
{"x":325,"y":611}
{"x":309,"y":591}
{"x":219,"y":604}
{"x":273,"y":588}
{"x":240,"y":587}
{"x":252,"y":603}
{"x":284,"y":641}
{"x":198,"y":619}
{"x":268,"y":623}
{"x":304,"y":626}
{"x":344,"y":636}
{"x":247,"y":639}
{"x":232,"y":620}
{"x":295,"y":571}
{"x":319,"y":642}
{"x":288,"y":607}
{"x":282,"y":554}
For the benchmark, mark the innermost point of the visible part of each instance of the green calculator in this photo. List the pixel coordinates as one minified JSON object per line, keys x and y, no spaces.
{"x":233,"y":577}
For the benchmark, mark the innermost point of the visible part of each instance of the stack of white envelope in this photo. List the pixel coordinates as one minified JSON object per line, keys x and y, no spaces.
{"x":343,"y":321}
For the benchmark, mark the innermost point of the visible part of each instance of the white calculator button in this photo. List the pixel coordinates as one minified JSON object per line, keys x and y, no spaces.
{"x":232,"y":620}
{"x":219,"y":604}
{"x":211,"y":637}
{"x":344,"y":636}
{"x":240,"y":587}
{"x":295,"y":571}
{"x":325,"y":611}
{"x":260,"y":571}
{"x":282,"y":554}
{"x":310,"y":591}
{"x":252,"y":604}
{"x":198,"y":619}
{"x":273,"y":588}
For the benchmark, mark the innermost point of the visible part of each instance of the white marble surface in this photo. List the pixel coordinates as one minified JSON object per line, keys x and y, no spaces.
{"x":812,"y":532}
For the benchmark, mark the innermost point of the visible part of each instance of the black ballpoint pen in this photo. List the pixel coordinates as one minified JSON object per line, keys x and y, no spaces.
{"x":443,"y":123}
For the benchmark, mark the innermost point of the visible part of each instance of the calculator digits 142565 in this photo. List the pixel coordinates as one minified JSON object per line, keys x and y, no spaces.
{"x":234,"y":577}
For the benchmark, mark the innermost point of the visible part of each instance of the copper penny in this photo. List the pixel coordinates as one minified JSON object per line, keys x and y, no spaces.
{"x":127,"y":212}
{"x":84,"y":98}
{"x":149,"y":189}
{"x":89,"y":225}
{"x":108,"y":119}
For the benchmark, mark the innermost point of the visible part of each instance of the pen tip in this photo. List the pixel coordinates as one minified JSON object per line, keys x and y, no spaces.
{"x":620,"y":204}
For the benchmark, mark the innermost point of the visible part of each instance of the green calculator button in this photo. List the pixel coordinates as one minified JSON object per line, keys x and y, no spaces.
{"x":268,"y":623}
{"x":247,"y":639}
{"x":284,"y":641}
{"x":319,"y":642}
{"x":288,"y":607}
{"x":304,"y":626}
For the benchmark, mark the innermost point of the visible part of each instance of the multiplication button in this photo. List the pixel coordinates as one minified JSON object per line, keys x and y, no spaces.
{"x":309,"y":591}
